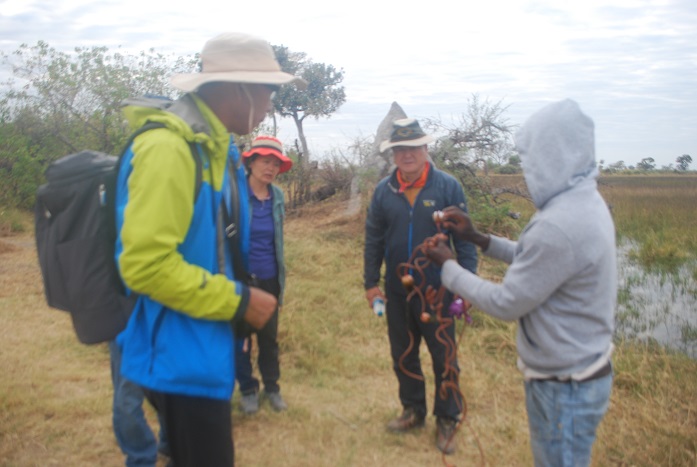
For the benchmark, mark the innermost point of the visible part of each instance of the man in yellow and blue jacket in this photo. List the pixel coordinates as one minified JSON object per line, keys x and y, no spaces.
{"x":172,"y":249}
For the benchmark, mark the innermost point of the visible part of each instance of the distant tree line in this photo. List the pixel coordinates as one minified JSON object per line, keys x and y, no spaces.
{"x":647,"y":164}
{"x":57,"y":103}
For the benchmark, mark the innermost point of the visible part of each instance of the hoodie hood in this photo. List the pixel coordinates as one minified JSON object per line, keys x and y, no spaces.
{"x":557,"y":150}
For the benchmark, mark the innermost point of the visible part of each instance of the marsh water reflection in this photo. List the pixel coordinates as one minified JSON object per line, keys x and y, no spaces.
{"x":657,"y":306}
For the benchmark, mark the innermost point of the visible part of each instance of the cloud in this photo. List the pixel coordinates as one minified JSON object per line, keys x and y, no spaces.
{"x":631,"y":64}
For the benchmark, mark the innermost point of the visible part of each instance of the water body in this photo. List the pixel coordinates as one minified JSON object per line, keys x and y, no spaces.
{"x":656,"y":306}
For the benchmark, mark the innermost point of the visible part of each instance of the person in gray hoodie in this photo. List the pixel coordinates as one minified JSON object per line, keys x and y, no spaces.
{"x":561,"y":285}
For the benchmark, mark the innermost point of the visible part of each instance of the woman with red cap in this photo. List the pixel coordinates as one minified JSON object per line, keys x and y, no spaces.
{"x":264,"y":161}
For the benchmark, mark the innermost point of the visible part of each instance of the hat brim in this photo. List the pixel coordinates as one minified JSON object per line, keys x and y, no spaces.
{"x":387,"y":144}
{"x":286,"y":162}
{"x":190,"y":82}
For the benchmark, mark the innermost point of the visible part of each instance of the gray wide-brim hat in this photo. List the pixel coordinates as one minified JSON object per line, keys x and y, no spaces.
{"x":236,"y":58}
{"x":406,"y":132}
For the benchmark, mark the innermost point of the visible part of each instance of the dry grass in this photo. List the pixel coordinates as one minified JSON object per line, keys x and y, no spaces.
{"x":55,"y":406}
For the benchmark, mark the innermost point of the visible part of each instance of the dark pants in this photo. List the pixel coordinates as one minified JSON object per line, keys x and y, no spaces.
{"x":199,"y":429}
{"x":401,"y":318}
{"x":267,"y":340}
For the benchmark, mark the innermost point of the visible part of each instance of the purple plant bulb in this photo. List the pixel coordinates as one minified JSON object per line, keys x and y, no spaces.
{"x":457,"y":308}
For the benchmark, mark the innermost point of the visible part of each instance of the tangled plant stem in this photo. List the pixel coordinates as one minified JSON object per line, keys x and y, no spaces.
{"x":413,"y":277}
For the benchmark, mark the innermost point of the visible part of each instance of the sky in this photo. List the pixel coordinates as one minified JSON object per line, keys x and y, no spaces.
{"x":630,"y":64}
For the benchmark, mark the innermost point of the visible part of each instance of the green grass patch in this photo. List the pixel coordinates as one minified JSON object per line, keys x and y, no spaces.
{"x":14,"y":221}
{"x":657,"y":211}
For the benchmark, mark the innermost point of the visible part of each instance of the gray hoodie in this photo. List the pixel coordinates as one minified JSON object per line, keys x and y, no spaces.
{"x":561,"y":285}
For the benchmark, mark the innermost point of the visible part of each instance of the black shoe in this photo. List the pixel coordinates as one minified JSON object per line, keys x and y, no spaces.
{"x":409,"y":420}
{"x":445,"y":434}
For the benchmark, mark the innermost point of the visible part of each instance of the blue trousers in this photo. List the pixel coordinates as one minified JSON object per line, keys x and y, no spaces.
{"x":133,"y":434}
{"x":563,"y":418}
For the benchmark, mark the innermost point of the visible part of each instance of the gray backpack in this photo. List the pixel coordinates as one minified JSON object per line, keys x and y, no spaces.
{"x":74,"y":222}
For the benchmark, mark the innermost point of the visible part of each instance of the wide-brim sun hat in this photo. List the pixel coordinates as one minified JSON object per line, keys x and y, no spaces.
{"x":236,"y":58}
{"x":269,"y":146}
{"x":406,"y":132}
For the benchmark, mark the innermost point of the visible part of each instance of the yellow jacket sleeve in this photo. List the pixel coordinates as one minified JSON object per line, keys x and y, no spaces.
{"x":157,"y":217}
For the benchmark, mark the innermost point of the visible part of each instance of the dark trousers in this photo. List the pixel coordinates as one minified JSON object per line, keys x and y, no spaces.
{"x":267,"y":340}
{"x":199,"y":429}
{"x":401,"y":318}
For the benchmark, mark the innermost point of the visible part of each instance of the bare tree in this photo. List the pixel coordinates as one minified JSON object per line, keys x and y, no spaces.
{"x":481,"y":137}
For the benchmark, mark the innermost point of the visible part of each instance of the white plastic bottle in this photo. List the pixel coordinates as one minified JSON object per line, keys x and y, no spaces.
{"x":378,"y":306}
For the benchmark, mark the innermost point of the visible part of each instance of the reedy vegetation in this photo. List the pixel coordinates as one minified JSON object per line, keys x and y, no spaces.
{"x":658,"y":212}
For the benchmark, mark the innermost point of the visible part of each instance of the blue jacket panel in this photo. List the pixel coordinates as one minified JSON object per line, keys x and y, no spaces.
{"x":279,"y":213}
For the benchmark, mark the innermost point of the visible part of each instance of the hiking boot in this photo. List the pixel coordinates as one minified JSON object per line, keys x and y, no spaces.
{"x":276,"y":401}
{"x":409,"y":419}
{"x":249,"y":403}
{"x":445,"y":434}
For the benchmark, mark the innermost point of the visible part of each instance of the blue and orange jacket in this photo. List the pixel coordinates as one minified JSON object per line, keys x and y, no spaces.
{"x":171,"y":252}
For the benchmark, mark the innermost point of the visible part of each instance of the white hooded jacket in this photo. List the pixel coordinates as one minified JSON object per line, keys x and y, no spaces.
{"x":561,"y":285}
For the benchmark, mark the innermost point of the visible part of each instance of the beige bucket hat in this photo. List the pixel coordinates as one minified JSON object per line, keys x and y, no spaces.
{"x":406,"y":132}
{"x":236,"y":58}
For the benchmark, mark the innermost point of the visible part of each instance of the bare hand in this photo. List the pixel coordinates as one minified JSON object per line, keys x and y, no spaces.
{"x":438,"y":249}
{"x":260,"y":308}
{"x":460,"y":224}
{"x":372,"y":293}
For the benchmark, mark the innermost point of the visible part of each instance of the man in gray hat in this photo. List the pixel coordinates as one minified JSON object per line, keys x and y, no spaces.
{"x":172,"y":248}
{"x":400,"y":217}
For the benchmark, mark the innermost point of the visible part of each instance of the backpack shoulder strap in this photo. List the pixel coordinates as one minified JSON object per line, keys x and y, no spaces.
{"x":199,"y":168}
